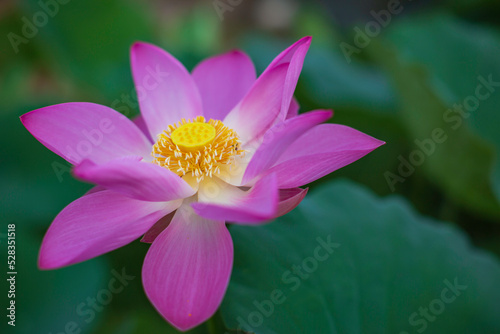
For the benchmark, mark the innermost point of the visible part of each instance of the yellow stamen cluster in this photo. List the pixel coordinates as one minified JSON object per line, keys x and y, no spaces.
{"x":196,"y":146}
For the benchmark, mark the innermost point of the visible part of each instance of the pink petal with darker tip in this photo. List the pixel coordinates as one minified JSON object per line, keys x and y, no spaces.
{"x":260,"y":107}
{"x":78,"y":131}
{"x":293,"y":56}
{"x":223,"y":81}
{"x":268,"y":100}
{"x":320,"y":151}
{"x":95,"y":224}
{"x":165,"y":89}
{"x":279,"y":138}
{"x":187,"y":268}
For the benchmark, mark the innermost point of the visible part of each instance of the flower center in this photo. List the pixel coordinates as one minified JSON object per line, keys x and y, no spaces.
{"x":193,"y":136}
{"x":196,"y":146}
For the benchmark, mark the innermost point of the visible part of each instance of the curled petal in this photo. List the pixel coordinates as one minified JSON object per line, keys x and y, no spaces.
{"x":136,"y":179}
{"x":289,"y":199}
{"x":218,"y":200}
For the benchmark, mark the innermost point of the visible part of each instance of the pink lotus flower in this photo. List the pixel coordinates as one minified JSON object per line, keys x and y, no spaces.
{"x":212,"y":147}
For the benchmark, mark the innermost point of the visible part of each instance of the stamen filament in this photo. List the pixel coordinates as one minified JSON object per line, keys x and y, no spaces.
{"x":196,"y":146}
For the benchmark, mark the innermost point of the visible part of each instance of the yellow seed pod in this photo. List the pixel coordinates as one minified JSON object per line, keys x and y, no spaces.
{"x":193,"y":136}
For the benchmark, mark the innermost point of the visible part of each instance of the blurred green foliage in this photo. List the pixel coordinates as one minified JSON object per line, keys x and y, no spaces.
{"x":351,"y":260}
{"x":391,"y":260}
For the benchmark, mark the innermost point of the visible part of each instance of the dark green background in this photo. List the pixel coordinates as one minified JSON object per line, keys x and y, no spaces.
{"x":397,"y":247}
